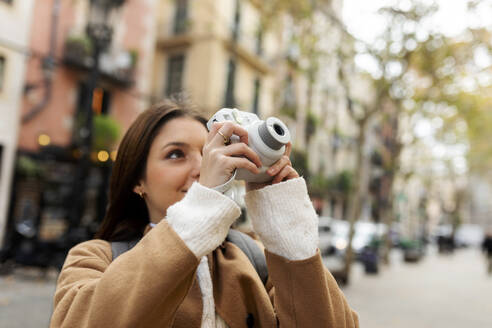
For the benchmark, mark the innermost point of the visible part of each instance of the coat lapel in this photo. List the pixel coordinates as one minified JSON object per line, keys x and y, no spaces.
{"x":189,"y":313}
{"x":239,"y":295}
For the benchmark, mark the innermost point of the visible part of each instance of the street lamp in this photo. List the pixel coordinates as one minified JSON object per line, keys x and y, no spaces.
{"x":99,"y":30}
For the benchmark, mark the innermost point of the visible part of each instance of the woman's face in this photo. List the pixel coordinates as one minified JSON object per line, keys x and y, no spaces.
{"x":173,"y":164}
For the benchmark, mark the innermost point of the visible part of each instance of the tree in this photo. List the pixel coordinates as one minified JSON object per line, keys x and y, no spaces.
{"x":428,"y":75}
{"x":305,"y":43}
{"x":305,"y":52}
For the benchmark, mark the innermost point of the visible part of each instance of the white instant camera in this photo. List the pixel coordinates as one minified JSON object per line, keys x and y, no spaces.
{"x":267,"y":138}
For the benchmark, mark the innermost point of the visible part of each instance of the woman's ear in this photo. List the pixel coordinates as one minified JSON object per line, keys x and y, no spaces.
{"x":138,"y":189}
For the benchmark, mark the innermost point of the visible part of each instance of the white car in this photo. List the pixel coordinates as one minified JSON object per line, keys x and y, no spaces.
{"x":334,"y":235}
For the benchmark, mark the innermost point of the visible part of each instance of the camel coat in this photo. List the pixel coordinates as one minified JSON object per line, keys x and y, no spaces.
{"x":154,"y":285}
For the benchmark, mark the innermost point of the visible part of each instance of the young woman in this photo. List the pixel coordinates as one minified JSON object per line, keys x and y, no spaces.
{"x":166,"y":191}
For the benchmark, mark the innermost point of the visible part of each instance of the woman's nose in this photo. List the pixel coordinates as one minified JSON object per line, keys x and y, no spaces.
{"x":197,"y":164}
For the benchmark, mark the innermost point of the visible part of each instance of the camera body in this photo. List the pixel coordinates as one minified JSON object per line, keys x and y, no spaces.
{"x":267,"y":138}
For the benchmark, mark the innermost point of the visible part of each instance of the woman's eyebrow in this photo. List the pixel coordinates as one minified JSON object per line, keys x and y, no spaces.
{"x":175,"y":143}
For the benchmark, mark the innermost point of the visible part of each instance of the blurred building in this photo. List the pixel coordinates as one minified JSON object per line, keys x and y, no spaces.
{"x":317,"y":104}
{"x":15,"y":22}
{"x":216,"y":52}
{"x":52,"y":109}
{"x":480,"y":195}
{"x":54,"y":103}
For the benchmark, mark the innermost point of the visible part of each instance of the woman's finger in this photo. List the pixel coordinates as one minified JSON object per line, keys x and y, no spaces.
{"x":286,"y":173}
{"x":241,"y":149}
{"x":213,"y":130}
{"x":277,"y":167}
{"x":288,"y":149}
{"x":226,"y":129}
{"x":243,"y":163}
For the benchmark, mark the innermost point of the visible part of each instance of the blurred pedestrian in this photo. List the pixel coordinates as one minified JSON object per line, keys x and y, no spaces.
{"x":167,"y":197}
{"x":487,"y":248}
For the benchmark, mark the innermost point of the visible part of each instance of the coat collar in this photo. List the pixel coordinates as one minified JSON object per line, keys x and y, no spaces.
{"x":239,"y":294}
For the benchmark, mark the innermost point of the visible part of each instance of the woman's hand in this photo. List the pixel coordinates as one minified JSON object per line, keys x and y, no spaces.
{"x":221,"y":159}
{"x":282,"y":170}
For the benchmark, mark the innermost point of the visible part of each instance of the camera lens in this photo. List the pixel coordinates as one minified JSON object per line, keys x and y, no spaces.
{"x":273,"y":133}
{"x":278,"y":129}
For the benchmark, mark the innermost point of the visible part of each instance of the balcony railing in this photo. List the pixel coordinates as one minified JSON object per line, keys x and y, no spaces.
{"x":116,"y":66}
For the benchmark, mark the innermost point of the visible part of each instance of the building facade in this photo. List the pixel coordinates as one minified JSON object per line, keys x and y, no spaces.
{"x":52,"y":104}
{"x":216,"y":53}
{"x":122,"y":87}
{"x":15,"y":21}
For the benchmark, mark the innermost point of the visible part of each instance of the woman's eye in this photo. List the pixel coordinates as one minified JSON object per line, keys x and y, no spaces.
{"x":175,"y":154}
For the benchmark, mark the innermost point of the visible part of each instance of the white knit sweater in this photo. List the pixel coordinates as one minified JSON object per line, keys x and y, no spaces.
{"x":282,"y":216}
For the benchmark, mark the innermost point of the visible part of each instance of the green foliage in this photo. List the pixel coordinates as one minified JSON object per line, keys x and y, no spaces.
{"x":342,"y":182}
{"x":299,"y":10}
{"x":434,"y":75}
{"x":300,"y":162}
{"x":465,"y":112}
{"x":28,"y":167}
{"x":289,"y":111}
{"x":134,"y":57}
{"x":79,"y":44}
{"x":406,"y":244}
{"x":322,"y":186}
{"x":312,"y":123}
{"x":318,"y":185}
{"x":106,"y":132}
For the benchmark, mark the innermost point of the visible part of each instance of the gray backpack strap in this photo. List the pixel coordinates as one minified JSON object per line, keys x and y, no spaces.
{"x":241,"y":240}
{"x":252,"y":251}
{"x":120,"y":247}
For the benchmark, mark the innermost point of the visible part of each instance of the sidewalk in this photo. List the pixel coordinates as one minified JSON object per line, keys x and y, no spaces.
{"x":451,"y":291}
{"x":26,"y":298}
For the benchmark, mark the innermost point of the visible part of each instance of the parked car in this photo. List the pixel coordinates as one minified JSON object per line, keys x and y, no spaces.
{"x":333,"y":242}
{"x":333,"y":261}
{"x":468,"y":235}
{"x":325,"y":236}
{"x":366,"y":234}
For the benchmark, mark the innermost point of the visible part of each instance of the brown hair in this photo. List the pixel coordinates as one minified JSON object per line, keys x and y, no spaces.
{"x":127,"y":214}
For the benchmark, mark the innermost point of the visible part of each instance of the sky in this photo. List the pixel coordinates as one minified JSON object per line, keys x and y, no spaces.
{"x":363,"y":22}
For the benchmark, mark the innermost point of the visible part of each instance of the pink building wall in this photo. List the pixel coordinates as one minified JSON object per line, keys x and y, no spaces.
{"x":56,"y":119}
{"x":59,"y":106}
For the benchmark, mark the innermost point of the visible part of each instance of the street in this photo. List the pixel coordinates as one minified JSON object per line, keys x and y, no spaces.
{"x":440,"y":291}
{"x":26,"y":298}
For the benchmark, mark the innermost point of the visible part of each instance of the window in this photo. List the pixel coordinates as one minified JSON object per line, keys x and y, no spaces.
{"x":290,"y":94}
{"x":237,"y":21}
{"x":180,"y":16}
{"x":259,"y":42}
{"x":175,"y":74}
{"x":101,"y":101}
{"x":256,"y":97}
{"x":2,"y":72}
{"x":230,"y":100}
{"x":1,"y":161}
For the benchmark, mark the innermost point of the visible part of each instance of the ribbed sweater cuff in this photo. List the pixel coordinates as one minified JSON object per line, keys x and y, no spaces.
{"x":202,"y":218}
{"x":284,"y":218}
